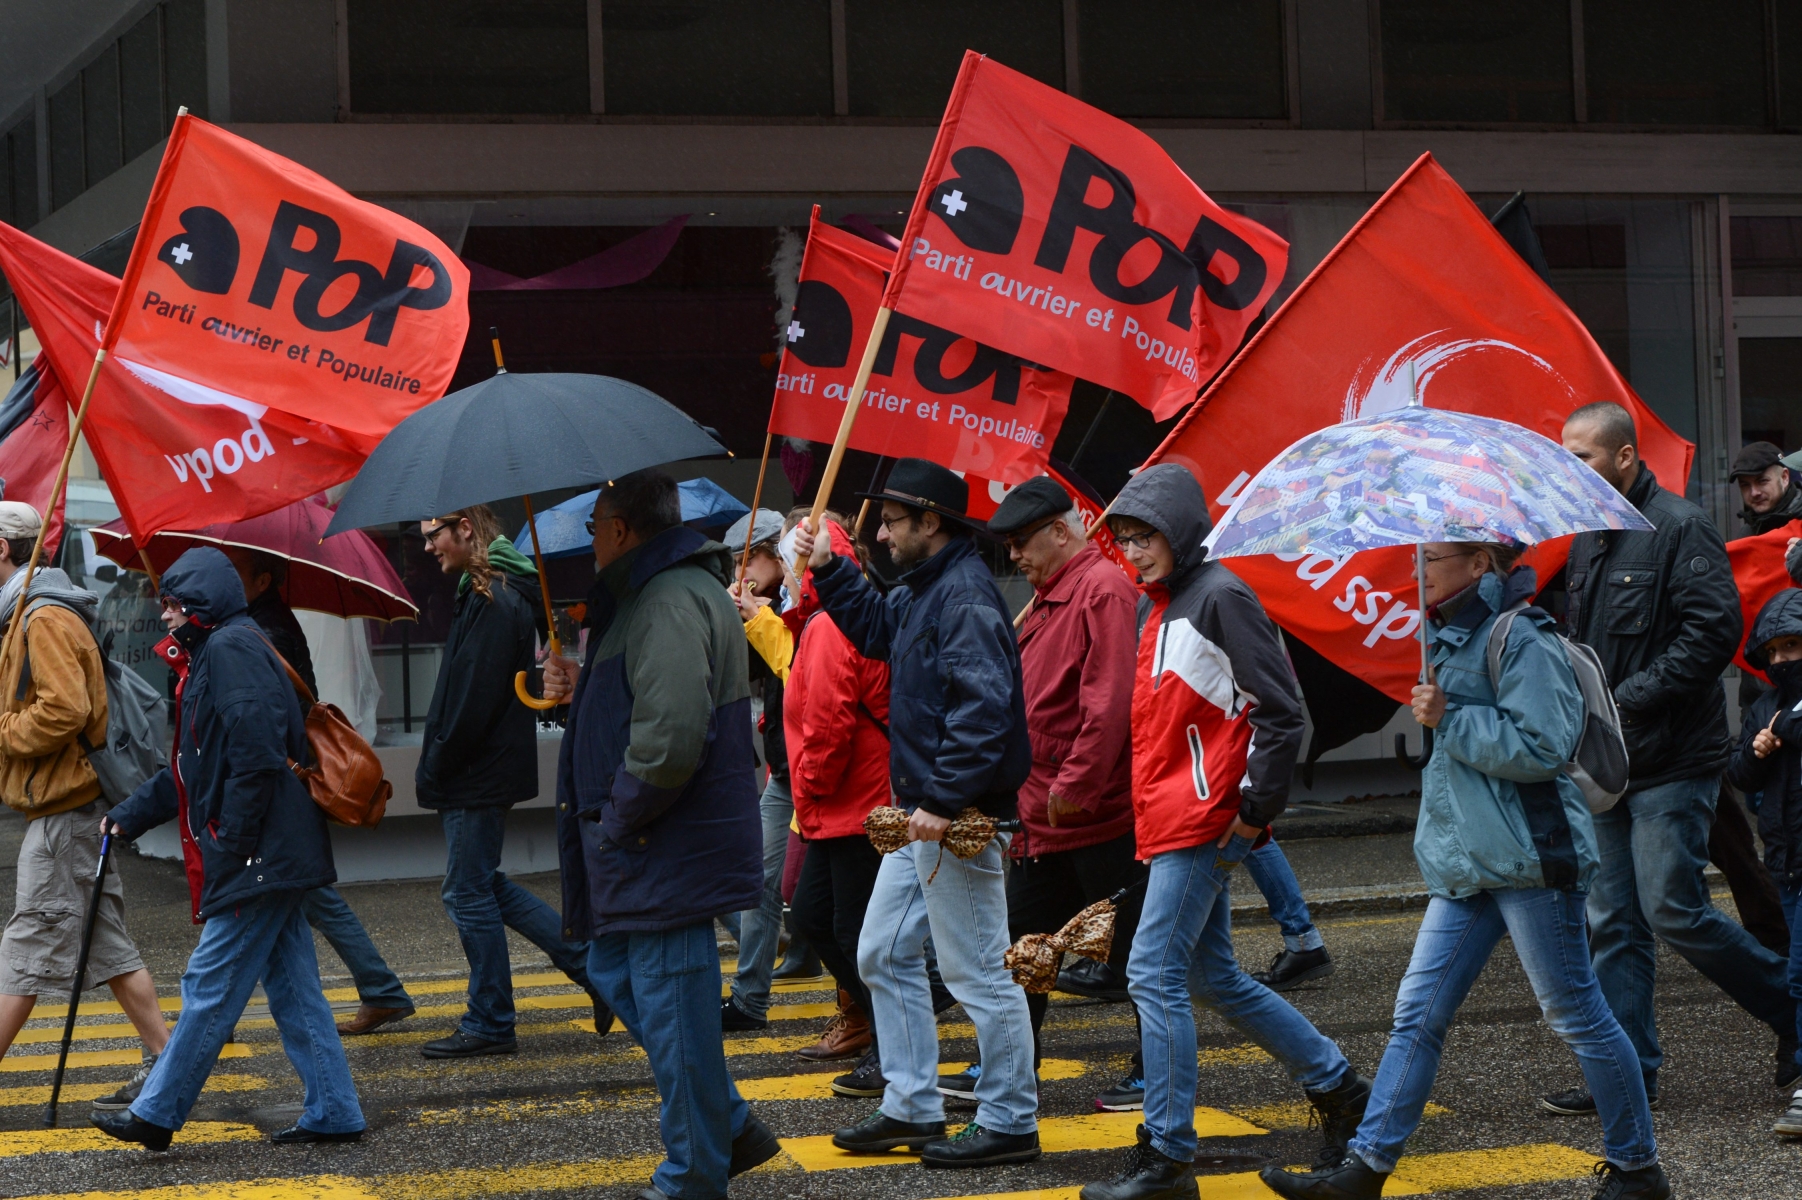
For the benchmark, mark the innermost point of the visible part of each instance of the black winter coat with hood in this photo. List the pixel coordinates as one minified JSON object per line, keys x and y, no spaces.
{"x":481,"y":743}
{"x":1779,"y":776}
{"x":250,"y":827}
{"x":1661,"y":611}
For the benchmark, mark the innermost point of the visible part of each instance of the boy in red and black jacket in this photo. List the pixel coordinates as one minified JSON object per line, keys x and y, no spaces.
{"x":1216,"y":726}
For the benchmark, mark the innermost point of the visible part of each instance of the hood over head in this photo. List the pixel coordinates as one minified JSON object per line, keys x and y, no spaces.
{"x":1780,"y":617}
{"x":1169,"y":498}
{"x":49,"y":583}
{"x":204,"y":582}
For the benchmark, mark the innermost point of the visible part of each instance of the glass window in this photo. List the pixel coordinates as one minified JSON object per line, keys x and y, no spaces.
{"x":1767,"y":256}
{"x":1174,"y":58}
{"x":100,"y":114}
{"x":1675,"y":62}
{"x":901,"y":56}
{"x":141,"y":85}
{"x":1770,"y":403}
{"x":718,"y":57}
{"x":1787,"y":25}
{"x":469,"y":56}
{"x":184,"y":58}
{"x":66,"y":163}
{"x":1473,"y":60}
{"x":22,"y":156}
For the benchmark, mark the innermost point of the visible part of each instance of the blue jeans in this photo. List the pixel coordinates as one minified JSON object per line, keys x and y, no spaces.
{"x":1455,"y":941}
{"x":1184,"y":945}
{"x":964,"y":912}
{"x":1270,"y":870}
{"x":267,"y":939}
{"x":1791,"y":898}
{"x":377,"y":985}
{"x":1654,"y":846}
{"x":665,"y":986}
{"x":760,"y":929}
{"x":483,"y":904}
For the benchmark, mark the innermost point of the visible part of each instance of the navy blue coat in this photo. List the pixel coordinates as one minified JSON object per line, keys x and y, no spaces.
{"x":957,"y":710}
{"x":657,"y":810}
{"x":253,"y":823}
{"x":480,"y":748}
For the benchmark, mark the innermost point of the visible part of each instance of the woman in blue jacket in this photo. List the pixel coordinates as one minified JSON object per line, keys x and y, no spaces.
{"x":1506,"y":846}
{"x":254,"y":844}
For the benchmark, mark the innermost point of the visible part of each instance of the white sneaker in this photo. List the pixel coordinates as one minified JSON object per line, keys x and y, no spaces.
{"x":1790,"y":1123}
{"x":123,"y":1098}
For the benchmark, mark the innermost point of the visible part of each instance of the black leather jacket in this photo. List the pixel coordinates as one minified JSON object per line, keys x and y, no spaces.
{"x":1661,"y":610}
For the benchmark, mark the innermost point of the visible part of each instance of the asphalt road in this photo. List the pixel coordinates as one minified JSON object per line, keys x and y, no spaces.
{"x":574,"y":1114}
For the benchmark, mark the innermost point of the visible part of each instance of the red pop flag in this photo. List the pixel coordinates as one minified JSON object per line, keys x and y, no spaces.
{"x":173,"y":462}
{"x":254,"y":281}
{"x":932,"y":393}
{"x":1054,"y":231}
{"x":1759,"y":572}
{"x":1423,"y":295}
{"x":34,"y":433}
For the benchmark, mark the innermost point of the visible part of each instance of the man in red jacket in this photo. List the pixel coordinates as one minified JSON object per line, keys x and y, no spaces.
{"x":1076,"y":663}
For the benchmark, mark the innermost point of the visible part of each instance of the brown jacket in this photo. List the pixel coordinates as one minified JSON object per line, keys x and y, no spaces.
{"x":43,"y":769}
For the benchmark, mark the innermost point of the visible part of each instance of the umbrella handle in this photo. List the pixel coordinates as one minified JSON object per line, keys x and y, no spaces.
{"x":1426,"y":750}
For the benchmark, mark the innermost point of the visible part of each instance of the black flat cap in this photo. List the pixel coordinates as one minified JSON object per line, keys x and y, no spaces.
{"x":1032,"y":501}
{"x":926,"y":485}
{"x":1755,"y":458}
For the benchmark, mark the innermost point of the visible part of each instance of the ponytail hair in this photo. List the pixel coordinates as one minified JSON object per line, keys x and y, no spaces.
{"x":484,"y":528}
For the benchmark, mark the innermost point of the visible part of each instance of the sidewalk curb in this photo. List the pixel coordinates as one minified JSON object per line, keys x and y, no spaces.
{"x":1341,"y":902}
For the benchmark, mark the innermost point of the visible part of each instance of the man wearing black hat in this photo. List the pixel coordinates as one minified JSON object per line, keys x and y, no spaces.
{"x":1772,"y":500}
{"x":1767,"y":488}
{"x":957,"y":741}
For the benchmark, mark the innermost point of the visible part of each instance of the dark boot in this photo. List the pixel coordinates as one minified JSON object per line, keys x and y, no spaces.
{"x":975,"y":1146}
{"x":127,"y":1128}
{"x":1292,"y":968}
{"x":1340,"y":1111}
{"x":1349,"y":1180}
{"x":1149,"y":1175}
{"x":880,"y":1133}
{"x":1647,"y":1183}
{"x":754,"y":1146}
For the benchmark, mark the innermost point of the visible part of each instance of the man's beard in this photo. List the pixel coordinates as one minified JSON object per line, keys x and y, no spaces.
{"x":908,"y":558}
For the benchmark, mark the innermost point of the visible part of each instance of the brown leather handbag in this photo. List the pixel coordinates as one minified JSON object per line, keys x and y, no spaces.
{"x":346,"y":776}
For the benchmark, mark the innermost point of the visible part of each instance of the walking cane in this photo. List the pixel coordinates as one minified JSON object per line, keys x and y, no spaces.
{"x":81,"y":970}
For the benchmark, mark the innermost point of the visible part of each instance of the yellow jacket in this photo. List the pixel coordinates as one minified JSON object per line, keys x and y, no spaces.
{"x":43,"y":769}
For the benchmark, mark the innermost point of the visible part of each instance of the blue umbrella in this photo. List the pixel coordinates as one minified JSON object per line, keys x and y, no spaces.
{"x":564,"y":527}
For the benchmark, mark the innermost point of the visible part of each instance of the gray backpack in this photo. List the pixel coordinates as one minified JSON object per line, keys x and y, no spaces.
{"x":137,"y":719}
{"x":1599,"y":766}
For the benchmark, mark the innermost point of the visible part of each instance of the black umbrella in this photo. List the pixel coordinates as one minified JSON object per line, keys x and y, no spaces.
{"x":511,"y":435}
{"x":514,"y":434}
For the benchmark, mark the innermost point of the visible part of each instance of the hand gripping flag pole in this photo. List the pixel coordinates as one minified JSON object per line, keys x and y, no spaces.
{"x":853,"y":401}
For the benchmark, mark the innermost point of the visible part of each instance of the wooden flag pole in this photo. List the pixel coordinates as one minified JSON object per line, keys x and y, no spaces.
{"x":853,"y":401}
{"x":56,"y":495}
{"x":744,"y":560}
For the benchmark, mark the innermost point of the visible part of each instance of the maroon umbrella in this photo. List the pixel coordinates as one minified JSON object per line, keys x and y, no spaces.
{"x":345,"y":575}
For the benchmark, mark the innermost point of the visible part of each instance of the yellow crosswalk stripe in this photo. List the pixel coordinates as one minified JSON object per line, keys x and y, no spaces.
{"x":425,"y":987}
{"x":1098,"y":1131}
{"x":84,"y":1032}
{"x":99,"y":1058}
{"x":1298,"y":1114}
{"x":75,"y":1092}
{"x":1462,"y":1170}
{"x":70,"y":1141}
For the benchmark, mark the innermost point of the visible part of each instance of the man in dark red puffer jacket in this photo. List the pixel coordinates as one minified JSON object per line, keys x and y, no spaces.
{"x":1077,"y":649}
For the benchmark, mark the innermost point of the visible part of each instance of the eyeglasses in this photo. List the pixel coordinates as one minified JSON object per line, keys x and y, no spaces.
{"x":1018,"y":541}
{"x":1136,"y":541}
{"x":889,"y":523}
{"x":1433,"y":558}
{"x":434,"y":531}
{"x":589,"y":523}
